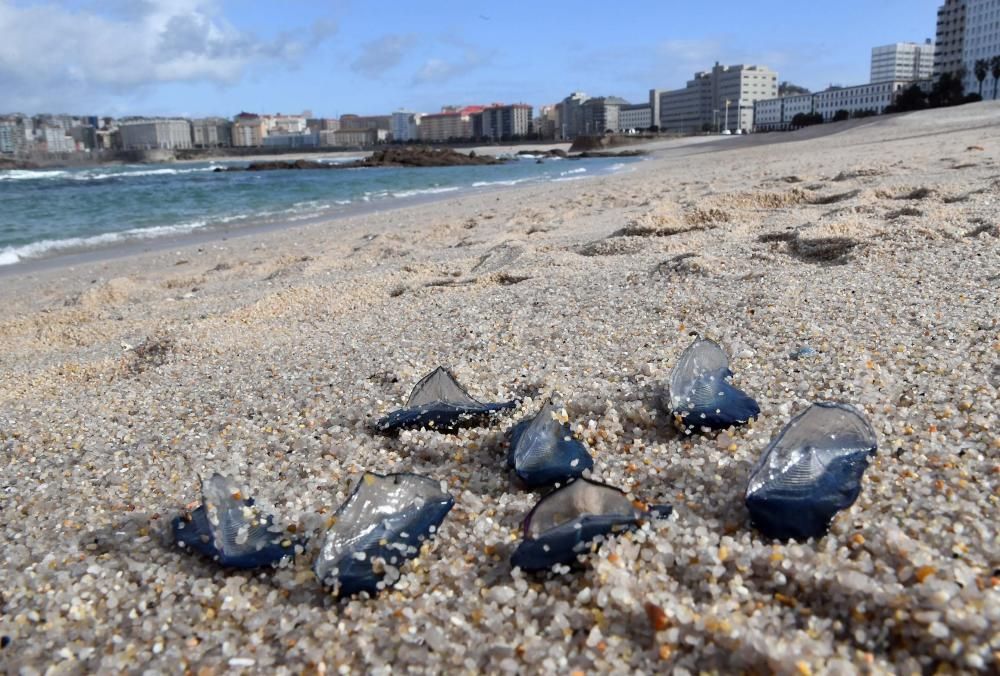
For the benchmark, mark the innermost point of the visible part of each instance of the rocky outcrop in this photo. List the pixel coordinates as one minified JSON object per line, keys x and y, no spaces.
{"x":592,"y":143}
{"x":401,"y":156}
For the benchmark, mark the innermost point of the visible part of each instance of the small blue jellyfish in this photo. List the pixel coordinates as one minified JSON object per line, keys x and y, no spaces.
{"x":378,"y":528}
{"x":230,"y":529}
{"x":563,"y":523}
{"x":700,"y":392}
{"x":438,"y":402}
{"x":544,"y":451}
{"x":810,"y":471}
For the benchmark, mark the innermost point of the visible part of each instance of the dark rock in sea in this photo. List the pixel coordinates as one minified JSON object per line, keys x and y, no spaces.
{"x":392,"y":156}
{"x":230,"y":529}
{"x":543,"y":450}
{"x":438,"y":402}
{"x":379,"y":527}
{"x":700,"y":392}
{"x":565,"y":522}
{"x":810,"y":471}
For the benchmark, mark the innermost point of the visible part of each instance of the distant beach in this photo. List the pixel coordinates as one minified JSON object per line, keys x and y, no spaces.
{"x":267,"y":353}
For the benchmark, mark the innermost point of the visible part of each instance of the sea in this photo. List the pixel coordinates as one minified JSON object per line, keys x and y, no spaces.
{"x":52,"y":212}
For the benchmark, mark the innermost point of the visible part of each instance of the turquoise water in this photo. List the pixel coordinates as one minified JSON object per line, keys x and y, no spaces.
{"x":47,"y":212}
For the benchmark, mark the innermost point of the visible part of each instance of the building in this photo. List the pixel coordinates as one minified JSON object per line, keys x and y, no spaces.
{"x":870,"y":97}
{"x":600,"y":114}
{"x":570,"y":114}
{"x":286,"y":124}
{"x":903,"y":61}
{"x":211,"y":132}
{"x":452,"y":124}
{"x":318,"y":124}
{"x":249,"y":130}
{"x":299,"y":140}
{"x":383,"y":122}
{"x":720,"y":98}
{"x":353,"y":137}
{"x":777,"y":114}
{"x":405,"y":126}
{"x":950,"y":38}
{"x":503,"y":123}
{"x":637,"y":116}
{"x":14,"y":136}
{"x":982,"y":38}
{"x":150,"y":133}
{"x":57,"y":140}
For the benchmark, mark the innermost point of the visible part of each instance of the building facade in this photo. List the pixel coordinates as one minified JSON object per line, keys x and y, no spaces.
{"x":870,"y":97}
{"x":950,"y":38}
{"x":249,"y":130}
{"x":448,"y":126}
{"x":777,"y":114}
{"x":547,"y":122}
{"x":637,"y":116}
{"x":15,"y":137}
{"x":162,"y":133}
{"x":343,"y":138}
{"x":600,"y":114}
{"x":982,"y":39}
{"x":383,"y":122}
{"x":723,"y":97}
{"x":405,"y":126}
{"x":503,"y":123}
{"x":302,"y":140}
{"x":211,"y":132}
{"x":902,"y":61}
{"x":570,"y":112}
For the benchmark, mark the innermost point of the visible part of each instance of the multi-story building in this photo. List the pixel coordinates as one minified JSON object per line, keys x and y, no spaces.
{"x":149,"y":133}
{"x":452,"y":124}
{"x":15,"y":137}
{"x":570,"y":112}
{"x":285,"y":124}
{"x":547,"y":122}
{"x":600,"y":114}
{"x":299,"y":140}
{"x":721,"y":97}
{"x":211,"y":132}
{"x":903,"y":61}
{"x":982,"y":37}
{"x":318,"y":124}
{"x":637,"y":116}
{"x":353,"y":138}
{"x":350,"y":121}
{"x":950,"y":38}
{"x":405,"y":126}
{"x":503,"y":123}
{"x":776,"y":114}
{"x":57,"y":141}
{"x":249,"y":130}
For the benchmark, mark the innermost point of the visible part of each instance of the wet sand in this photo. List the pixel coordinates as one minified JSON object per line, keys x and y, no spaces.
{"x":268,"y":356}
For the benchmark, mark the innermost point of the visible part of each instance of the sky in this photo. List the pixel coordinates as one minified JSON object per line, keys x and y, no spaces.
{"x":218,"y":57}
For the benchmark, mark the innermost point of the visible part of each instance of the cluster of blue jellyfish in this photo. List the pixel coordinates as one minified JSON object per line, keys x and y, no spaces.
{"x":810,"y":471}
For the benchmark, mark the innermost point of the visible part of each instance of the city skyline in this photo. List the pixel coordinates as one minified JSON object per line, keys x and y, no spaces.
{"x":201,"y":57}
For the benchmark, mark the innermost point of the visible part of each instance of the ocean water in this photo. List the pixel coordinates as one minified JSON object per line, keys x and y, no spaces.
{"x":44,"y":213}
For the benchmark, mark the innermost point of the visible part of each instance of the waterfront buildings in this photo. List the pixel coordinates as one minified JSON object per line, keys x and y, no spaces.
{"x":318,"y":124}
{"x":405,"y":126}
{"x":982,"y":38}
{"x":350,"y":138}
{"x":902,"y":61}
{"x":778,"y":113}
{"x":570,"y":113}
{"x":211,"y":132}
{"x":150,"y":133}
{"x":503,"y":123}
{"x":720,"y":98}
{"x":292,"y":140}
{"x":637,"y":116}
{"x":286,"y":124}
{"x":950,"y":37}
{"x":15,"y":135}
{"x":600,"y":114}
{"x":349,"y":121}
{"x":547,"y":122}
{"x":451,"y":124}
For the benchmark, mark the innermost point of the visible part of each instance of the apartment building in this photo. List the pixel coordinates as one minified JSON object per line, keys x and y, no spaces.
{"x":503,"y":123}
{"x":547,"y":122}
{"x":317,"y":124}
{"x":570,"y":113}
{"x":405,"y":126}
{"x":903,"y":61}
{"x":211,"y":132}
{"x":249,"y":130}
{"x":875,"y":97}
{"x":720,"y":98}
{"x":638,"y":116}
{"x":982,"y":37}
{"x":343,"y":138}
{"x":14,"y":136}
{"x":297,"y":140}
{"x":950,"y":37}
{"x":600,"y":114}
{"x":351,"y":121}
{"x":150,"y":133}
{"x":452,"y":124}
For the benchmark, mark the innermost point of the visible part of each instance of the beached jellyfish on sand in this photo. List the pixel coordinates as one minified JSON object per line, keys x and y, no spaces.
{"x":563,"y":523}
{"x":438,"y":402}
{"x":544,"y":451}
{"x":379,"y":527}
{"x":700,"y":392}
{"x":810,"y":471}
{"x":229,"y":528}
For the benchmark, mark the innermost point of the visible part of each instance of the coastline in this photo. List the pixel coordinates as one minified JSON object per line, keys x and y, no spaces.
{"x":268,"y":355}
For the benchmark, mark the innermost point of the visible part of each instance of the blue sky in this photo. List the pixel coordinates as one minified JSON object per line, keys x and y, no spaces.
{"x":201,"y":57}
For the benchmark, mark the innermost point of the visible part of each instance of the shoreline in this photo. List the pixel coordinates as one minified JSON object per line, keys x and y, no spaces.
{"x":269,"y":358}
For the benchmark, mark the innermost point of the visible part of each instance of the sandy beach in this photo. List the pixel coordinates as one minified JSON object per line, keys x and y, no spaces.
{"x":268,"y":356}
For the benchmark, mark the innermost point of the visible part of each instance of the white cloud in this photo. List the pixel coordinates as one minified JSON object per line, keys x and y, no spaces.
{"x":464,"y":58}
{"x":51,"y":56}
{"x":383,"y":54}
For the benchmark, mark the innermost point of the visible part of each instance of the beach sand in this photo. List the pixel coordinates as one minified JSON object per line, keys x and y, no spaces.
{"x":269,"y":356}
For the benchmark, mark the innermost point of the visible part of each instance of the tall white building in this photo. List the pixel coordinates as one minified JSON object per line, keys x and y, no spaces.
{"x":720,"y":98}
{"x":405,"y":126}
{"x":902,"y":61}
{"x":150,"y":133}
{"x":982,"y":40}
